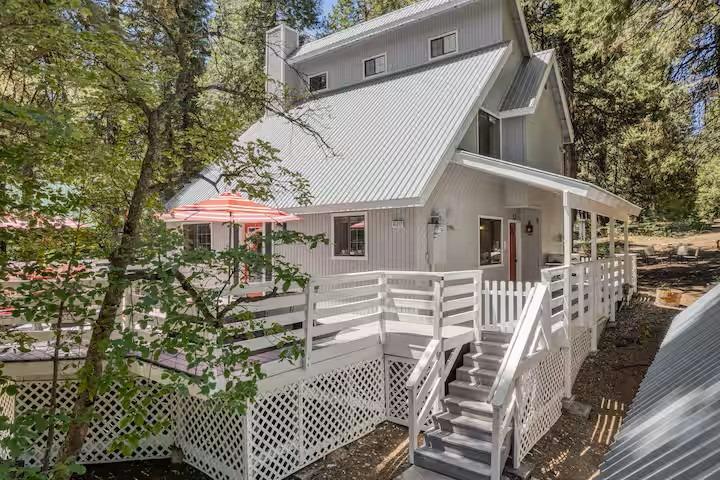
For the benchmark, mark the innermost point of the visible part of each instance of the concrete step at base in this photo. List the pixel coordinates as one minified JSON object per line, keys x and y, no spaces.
{"x":470,"y":427}
{"x":468,"y":408}
{"x":469,"y":391}
{"x":451,"y":464}
{"x":467,"y":447}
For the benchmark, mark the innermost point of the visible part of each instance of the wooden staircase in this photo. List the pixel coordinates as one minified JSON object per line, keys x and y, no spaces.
{"x":459,"y":445}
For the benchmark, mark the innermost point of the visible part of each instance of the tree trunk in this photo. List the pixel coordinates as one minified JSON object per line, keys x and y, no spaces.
{"x":567,"y":72}
{"x":119,"y":259}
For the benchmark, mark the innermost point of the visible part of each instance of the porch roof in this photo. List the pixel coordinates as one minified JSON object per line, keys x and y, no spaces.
{"x":580,"y":195}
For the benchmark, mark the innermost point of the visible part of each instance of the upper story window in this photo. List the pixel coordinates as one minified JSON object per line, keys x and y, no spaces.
{"x":197,"y":236}
{"x":348,"y":235}
{"x":443,"y":45}
{"x":318,"y":82}
{"x":488,"y":135}
{"x":374,"y":66}
{"x":490,"y":241}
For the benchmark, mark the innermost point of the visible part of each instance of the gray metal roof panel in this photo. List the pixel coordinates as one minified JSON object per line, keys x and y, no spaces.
{"x":388,"y":136}
{"x":526,"y":85}
{"x":672,"y":429}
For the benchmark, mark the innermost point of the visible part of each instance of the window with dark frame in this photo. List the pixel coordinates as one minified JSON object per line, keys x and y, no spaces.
{"x":197,"y":236}
{"x":490,"y":241}
{"x":443,"y":45}
{"x":318,"y":82}
{"x":349,"y":236}
{"x":488,"y":135}
{"x":374,"y":66}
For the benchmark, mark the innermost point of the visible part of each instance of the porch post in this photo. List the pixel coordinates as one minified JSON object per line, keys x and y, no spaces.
{"x":593,"y":236}
{"x":626,"y":259}
{"x":567,"y":293}
{"x":594,"y":282}
{"x":613,"y":270}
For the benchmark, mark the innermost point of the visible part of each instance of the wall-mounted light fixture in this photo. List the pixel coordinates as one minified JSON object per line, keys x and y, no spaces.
{"x":529,"y":228}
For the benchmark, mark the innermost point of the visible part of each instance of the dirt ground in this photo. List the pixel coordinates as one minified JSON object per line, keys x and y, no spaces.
{"x":145,"y":470}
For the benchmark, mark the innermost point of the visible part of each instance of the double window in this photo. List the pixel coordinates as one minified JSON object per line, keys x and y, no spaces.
{"x":317,"y":83}
{"x":197,"y":236}
{"x":443,"y":45}
{"x":374,"y":66}
{"x":349,"y":236}
{"x":490,"y":241}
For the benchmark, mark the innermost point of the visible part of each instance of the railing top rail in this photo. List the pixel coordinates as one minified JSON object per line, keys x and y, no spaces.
{"x":523,"y":335}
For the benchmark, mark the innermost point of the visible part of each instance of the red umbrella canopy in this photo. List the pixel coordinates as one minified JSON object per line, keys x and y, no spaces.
{"x":227,"y":208}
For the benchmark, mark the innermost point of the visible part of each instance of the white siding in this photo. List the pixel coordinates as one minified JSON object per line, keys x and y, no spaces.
{"x":544,"y":136}
{"x":478,"y":25}
{"x":513,"y":139}
{"x":387,"y":248}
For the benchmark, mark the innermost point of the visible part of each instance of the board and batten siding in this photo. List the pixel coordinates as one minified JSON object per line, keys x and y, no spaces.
{"x":387,"y":248}
{"x":478,"y":25}
{"x":544,"y":136}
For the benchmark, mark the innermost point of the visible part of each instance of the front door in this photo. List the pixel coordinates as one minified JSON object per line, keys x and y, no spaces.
{"x":513,"y":251}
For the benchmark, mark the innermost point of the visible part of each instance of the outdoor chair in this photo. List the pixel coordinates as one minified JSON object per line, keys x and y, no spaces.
{"x":686,"y":253}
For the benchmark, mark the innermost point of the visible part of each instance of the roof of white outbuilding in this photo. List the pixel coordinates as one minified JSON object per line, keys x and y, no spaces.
{"x":582,"y":195}
{"x":672,"y":430}
{"x":391,"y":138}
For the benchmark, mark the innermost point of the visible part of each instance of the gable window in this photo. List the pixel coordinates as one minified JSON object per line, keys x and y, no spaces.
{"x":349,"y":236}
{"x":443,"y":45}
{"x":490,"y":241}
{"x":318,"y":82}
{"x":374,"y":66}
{"x":488,"y":135}
{"x":197,"y":236}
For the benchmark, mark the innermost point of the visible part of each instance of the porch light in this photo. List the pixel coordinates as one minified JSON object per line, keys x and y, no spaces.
{"x":529,"y":228}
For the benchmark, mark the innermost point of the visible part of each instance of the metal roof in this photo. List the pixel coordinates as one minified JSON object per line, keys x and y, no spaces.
{"x":390,"y":138}
{"x":672,"y":430}
{"x":525,"y":90}
{"x":383,"y":23}
{"x":583,"y":194}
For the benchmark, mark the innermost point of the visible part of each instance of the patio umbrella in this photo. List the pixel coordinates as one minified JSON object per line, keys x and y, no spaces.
{"x":228,"y":208}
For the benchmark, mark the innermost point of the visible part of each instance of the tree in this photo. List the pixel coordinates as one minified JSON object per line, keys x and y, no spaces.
{"x":120,"y":103}
{"x":346,"y":13}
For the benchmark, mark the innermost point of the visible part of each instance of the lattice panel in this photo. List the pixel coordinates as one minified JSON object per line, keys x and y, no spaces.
{"x":212,"y":439}
{"x":540,"y":403}
{"x":35,"y":396}
{"x":397,"y":371}
{"x":581,"y":345}
{"x":7,"y":410}
{"x":275,"y":434}
{"x":341,"y":406}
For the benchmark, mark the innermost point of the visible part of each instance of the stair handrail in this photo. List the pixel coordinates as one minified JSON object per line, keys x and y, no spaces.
{"x":503,"y":396}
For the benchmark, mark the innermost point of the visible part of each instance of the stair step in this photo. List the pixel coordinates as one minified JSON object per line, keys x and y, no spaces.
{"x":476,"y":428}
{"x":471,"y":408}
{"x":483,"y":360}
{"x":469,"y":390}
{"x":467,"y":447}
{"x":496,"y":336}
{"x":490,"y":347}
{"x":476,"y":375}
{"x":451,"y":464}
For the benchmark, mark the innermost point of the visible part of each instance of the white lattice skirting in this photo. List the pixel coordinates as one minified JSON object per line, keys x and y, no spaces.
{"x":581,"y":345}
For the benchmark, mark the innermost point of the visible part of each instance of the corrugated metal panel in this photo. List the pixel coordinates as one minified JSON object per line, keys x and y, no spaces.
{"x":382,"y":23}
{"x":672,"y":430}
{"x":478,"y":25}
{"x":388,"y":137}
{"x":527,"y":82}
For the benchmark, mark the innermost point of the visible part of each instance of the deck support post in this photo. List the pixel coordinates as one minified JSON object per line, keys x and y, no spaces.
{"x":383,"y":297}
{"x":309,"y":320}
{"x":613,"y":269}
{"x":626,"y":251}
{"x":567,"y":293}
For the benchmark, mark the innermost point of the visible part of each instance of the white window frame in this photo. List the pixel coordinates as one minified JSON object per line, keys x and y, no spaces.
{"x":444,"y":55}
{"x":365,"y":77}
{"x":327,"y":81}
{"x":209,"y":224}
{"x":332,"y":236}
{"x":502,"y":241}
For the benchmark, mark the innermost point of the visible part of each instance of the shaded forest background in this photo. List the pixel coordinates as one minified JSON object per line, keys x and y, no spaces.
{"x":642,"y":81}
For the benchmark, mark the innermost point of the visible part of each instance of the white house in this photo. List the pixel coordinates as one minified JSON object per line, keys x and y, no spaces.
{"x":445,"y":135}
